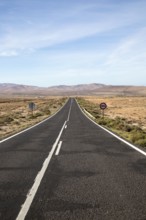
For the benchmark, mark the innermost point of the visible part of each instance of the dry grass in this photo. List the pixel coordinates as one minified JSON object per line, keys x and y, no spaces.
{"x":125,"y":116}
{"x":133,"y":109}
{"x":16,"y":116}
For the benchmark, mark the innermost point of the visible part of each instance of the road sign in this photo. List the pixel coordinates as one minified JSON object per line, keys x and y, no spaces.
{"x":103,"y":105}
{"x":31,"y":106}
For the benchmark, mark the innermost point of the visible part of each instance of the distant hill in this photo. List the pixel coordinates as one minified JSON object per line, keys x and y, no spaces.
{"x":75,"y":90}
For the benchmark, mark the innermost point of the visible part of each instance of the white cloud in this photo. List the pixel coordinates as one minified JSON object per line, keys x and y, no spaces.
{"x":9,"y":53}
{"x":72,"y":41}
{"x":130,"y":49}
{"x":69,"y":25}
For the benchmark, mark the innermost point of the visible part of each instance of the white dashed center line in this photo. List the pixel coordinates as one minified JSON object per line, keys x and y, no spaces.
{"x":58,"y":149}
{"x":32,"y":192}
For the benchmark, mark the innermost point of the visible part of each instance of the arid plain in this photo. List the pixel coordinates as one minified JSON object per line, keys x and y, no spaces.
{"x":131,"y":108}
{"x":125,"y":115}
{"x":15,"y":114}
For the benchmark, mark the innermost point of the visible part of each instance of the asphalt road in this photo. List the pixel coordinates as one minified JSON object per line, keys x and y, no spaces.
{"x":92,"y":176}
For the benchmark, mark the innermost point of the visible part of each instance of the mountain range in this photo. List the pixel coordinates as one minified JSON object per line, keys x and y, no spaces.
{"x":9,"y":89}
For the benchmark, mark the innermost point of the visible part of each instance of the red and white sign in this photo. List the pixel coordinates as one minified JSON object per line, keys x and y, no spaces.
{"x":103,"y":105}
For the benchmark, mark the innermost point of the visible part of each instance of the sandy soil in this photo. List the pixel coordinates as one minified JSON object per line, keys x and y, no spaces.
{"x":131,"y":108}
{"x":15,"y":114}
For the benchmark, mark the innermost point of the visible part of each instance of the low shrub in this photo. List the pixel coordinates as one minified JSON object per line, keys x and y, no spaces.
{"x":38,"y":114}
{"x":16,"y":122}
{"x":6,"y":120}
{"x":35,"y":115}
{"x":119,"y":125}
{"x":136,"y":136}
{"x":47,"y":111}
{"x":141,"y":142}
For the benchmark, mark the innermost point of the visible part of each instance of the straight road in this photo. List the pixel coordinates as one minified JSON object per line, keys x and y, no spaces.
{"x":68,"y":168}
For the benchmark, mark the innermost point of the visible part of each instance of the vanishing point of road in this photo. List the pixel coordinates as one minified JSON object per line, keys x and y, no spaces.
{"x":69,"y":168}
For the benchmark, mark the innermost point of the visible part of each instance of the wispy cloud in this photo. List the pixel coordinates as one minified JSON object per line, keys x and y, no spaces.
{"x":129,"y":49}
{"x":70,"y":25}
{"x":100,"y":39}
{"x":8,"y":53}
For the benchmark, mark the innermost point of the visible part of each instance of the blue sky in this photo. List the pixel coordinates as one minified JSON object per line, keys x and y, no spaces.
{"x":53,"y":42}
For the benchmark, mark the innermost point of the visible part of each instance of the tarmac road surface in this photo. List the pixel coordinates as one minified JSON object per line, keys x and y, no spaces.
{"x":68,"y":168}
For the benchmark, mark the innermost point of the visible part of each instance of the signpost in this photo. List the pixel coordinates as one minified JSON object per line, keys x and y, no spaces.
{"x":31,"y":106}
{"x":103,"y":106}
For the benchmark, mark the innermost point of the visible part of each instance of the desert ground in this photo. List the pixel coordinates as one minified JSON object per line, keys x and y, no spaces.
{"x":124,"y":115}
{"x":15,"y":114}
{"x":131,"y":108}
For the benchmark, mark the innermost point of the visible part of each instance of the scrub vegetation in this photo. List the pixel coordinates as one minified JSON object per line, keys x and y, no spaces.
{"x":15,"y":114}
{"x":125,"y":116}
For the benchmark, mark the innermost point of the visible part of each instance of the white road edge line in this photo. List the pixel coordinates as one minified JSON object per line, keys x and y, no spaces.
{"x":91,"y":116}
{"x":65,"y":126}
{"x":126,"y":142}
{"x":32,"y":126}
{"x":59,"y":147}
{"x":32,"y":192}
